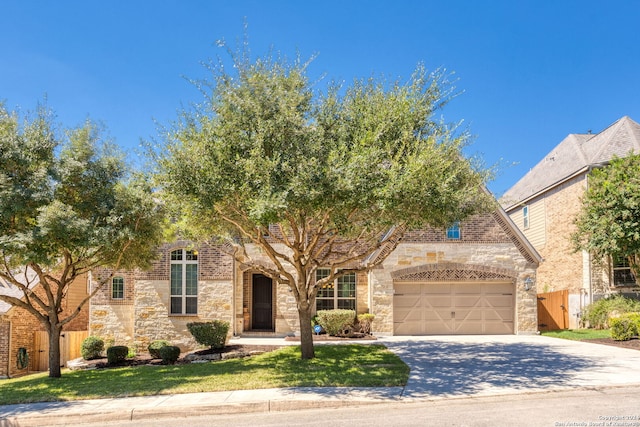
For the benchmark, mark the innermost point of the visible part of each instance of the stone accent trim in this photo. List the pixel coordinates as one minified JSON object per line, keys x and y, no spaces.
{"x":452,"y":272}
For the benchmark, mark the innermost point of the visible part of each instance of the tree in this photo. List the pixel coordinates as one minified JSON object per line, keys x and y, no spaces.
{"x":316,"y":180}
{"x":66,"y":208}
{"x":608,"y":224}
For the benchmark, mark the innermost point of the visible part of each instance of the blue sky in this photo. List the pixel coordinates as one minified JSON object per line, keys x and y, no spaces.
{"x":530,"y":72}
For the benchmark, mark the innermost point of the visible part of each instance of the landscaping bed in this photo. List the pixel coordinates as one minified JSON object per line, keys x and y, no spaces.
{"x":633,"y":343}
{"x":234,"y":351}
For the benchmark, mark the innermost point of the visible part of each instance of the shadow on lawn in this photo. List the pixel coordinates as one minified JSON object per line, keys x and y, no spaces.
{"x":448,"y":369}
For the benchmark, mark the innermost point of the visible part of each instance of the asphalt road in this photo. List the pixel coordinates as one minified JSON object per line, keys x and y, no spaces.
{"x":616,"y":406}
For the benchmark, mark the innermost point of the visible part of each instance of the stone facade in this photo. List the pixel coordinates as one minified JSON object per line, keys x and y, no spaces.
{"x":143,"y":315}
{"x":489,"y":248}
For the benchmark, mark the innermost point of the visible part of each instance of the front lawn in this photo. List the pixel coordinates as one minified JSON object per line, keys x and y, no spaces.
{"x":579,"y":334}
{"x":334,"y":366}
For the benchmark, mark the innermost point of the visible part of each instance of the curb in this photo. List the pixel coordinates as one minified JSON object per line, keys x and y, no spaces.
{"x":178,"y":411}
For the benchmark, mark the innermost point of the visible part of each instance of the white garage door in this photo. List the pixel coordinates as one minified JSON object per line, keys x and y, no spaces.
{"x":453,"y":308}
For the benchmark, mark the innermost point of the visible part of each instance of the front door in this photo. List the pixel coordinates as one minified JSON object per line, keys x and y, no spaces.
{"x":262,"y":302}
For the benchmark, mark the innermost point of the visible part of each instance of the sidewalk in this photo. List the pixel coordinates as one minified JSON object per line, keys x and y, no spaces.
{"x":441,"y":368}
{"x":177,"y":405}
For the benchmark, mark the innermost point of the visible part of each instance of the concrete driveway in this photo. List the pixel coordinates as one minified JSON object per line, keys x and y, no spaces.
{"x":451,"y":366}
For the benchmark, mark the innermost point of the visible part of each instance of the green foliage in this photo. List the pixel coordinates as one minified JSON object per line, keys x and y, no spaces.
{"x":169,"y":354}
{"x":609,"y":223}
{"x":341,"y":174}
{"x":92,"y":348}
{"x":212,"y":334}
{"x":68,"y":206}
{"x":599,"y":313}
{"x":625,"y":327}
{"x":117,"y":354}
{"x":335,"y":322}
{"x":364,"y":321}
{"x":155,"y":346}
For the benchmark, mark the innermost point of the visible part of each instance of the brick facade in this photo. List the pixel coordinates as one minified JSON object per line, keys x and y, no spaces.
{"x":17,"y":329}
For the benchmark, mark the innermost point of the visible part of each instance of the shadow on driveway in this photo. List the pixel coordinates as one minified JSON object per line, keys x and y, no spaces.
{"x":440,"y":368}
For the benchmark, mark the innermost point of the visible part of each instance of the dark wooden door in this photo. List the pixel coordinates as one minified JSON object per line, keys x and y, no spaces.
{"x":262,"y":302}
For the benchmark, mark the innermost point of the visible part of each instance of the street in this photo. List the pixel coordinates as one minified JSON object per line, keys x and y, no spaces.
{"x":616,"y":406}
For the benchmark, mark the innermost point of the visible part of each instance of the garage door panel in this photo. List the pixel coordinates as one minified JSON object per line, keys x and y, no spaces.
{"x":454,"y":308}
{"x":436,"y":302}
{"x":466,"y":301}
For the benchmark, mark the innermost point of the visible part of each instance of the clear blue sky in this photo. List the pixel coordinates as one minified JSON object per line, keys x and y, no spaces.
{"x":531,"y":72}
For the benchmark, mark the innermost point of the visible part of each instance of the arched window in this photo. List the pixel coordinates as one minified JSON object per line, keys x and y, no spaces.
{"x":184,"y":282}
{"x":117,"y":287}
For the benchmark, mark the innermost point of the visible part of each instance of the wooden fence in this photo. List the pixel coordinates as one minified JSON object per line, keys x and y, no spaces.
{"x":70,"y":348}
{"x":553,"y":313}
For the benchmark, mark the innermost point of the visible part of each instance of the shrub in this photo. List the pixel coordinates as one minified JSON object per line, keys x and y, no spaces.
{"x":117,"y":354}
{"x":599,"y":313}
{"x":155,"y":346}
{"x":625,"y":327}
{"x":365,"y":320}
{"x":212,"y":334}
{"x":169,"y":354}
{"x":92,"y":348}
{"x":335,"y":322}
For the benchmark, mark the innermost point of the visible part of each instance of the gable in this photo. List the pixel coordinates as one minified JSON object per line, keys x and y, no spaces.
{"x":576,"y":154}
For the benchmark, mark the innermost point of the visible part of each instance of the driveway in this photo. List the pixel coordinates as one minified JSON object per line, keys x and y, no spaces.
{"x":451,"y":366}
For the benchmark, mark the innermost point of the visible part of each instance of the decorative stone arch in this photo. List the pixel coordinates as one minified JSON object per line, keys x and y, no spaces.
{"x":453,"y":272}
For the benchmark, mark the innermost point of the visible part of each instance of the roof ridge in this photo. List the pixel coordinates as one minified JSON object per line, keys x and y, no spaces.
{"x":612,"y":131}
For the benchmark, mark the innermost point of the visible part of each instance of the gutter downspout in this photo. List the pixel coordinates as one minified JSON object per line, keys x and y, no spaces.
{"x":9,"y":348}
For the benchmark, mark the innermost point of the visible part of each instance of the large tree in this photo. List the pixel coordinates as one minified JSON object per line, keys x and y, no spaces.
{"x":298,"y":179}
{"x":609,"y":222}
{"x":67,"y":206}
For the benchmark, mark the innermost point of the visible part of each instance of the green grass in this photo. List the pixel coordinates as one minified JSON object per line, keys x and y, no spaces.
{"x":334,"y":366}
{"x":579,"y":334}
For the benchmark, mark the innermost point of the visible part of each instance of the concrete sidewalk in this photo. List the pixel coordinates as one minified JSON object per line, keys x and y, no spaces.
{"x":441,"y":368}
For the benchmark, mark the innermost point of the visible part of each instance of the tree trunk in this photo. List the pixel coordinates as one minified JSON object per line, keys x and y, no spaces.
{"x":54,"y":351}
{"x":306,"y":333}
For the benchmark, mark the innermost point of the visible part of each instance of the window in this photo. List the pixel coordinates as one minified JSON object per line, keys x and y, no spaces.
{"x":453,"y":232}
{"x":622,"y":275}
{"x":525,"y":217}
{"x":184,"y":282}
{"x":117,"y":287}
{"x":339,"y":294}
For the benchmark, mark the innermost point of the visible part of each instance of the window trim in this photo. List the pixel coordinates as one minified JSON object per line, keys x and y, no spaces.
{"x":453,"y":232}
{"x":526,"y":222}
{"x":336,"y":298}
{"x":620,"y":264}
{"x":187,"y":257}
{"x":113,"y":289}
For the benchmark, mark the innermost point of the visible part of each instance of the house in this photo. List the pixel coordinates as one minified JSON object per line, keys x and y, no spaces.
{"x":21,"y":332}
{"x":476,"y":277}
{"x":545,"y":202}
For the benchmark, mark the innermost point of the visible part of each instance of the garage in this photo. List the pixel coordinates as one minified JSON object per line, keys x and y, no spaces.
{"x":453,"y":308}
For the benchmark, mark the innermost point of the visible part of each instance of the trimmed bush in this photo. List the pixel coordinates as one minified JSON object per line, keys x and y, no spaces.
{"x":117,"y":354}
{"x":155,"y":346}
{"x":212,"y":334}
{"x":92,"y":348}
{"x":365,"y":320}
{"x":625,"y":327}
{"x":336,"y":322}
{"x":599,"y":313}
{"x":169,"y":354}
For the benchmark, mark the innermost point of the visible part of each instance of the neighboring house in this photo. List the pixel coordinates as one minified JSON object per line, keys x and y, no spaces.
{"x":19,"y":328}
{"x":477,"y":277}
{"x":545,"y":203}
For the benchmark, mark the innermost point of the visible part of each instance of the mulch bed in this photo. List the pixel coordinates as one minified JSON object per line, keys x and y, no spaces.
{"x":633,"y":344}
{"x":145,"y":359}
{"x":325,"y":337}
